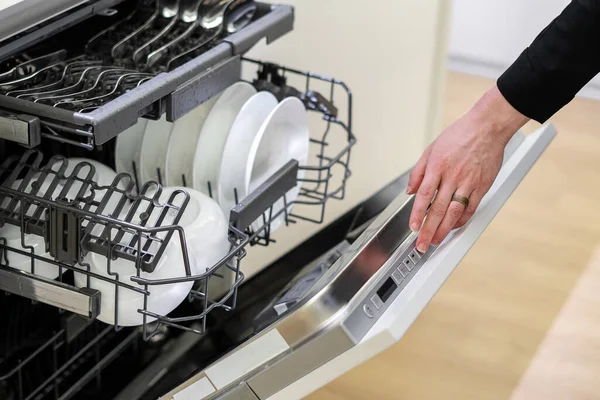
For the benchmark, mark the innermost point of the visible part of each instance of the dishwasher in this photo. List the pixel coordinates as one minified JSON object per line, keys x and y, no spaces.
{"x":74,"y":75}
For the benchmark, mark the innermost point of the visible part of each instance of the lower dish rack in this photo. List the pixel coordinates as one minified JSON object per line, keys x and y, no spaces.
{"x":56,"y":217}
{"x":47,"y":357}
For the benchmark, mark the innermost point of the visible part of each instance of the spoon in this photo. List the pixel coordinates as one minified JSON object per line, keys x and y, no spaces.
{"x":238,"y":13}
{"x":169,"y":11}
{"x":189,"y":16}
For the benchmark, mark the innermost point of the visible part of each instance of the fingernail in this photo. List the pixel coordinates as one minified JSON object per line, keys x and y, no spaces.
{"x":414,"y":227}
{"x":422,"y":247}
{"x":408,"y":189}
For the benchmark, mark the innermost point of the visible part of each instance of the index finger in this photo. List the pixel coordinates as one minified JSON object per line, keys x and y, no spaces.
{"x":423,"y":199}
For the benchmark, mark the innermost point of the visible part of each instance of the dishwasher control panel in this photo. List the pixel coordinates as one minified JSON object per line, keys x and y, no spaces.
{"x":399,"y":270}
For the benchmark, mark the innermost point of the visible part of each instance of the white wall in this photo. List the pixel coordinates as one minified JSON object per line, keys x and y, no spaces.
{"x":486,"y":36}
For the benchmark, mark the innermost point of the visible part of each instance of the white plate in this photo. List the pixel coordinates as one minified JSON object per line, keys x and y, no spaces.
{"x":236,"y":165}
{"x":128,"y":148}
{"x":182,"y":144}
{"x":284,"y":136}
{"x":206,"y":235}
{"x":213,"y":136}
{"x":154,"y":150}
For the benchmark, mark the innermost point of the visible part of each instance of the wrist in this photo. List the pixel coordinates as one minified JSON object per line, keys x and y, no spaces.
{"x":499,"y":118}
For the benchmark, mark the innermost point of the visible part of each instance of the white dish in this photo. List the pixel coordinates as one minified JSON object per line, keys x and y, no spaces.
{"x":283,"y":136}
{"x":211,"y":143}
{"x":206,"y":235}
{"x":103,"y":176}
{"x":236,"y":165}
{"x":206,"y":228}
{"x":182,"y":145}
{"x":128,"y":149}
{"x":12,"y":234}
{"x":162,"y":299}
{"x":154,"y":150}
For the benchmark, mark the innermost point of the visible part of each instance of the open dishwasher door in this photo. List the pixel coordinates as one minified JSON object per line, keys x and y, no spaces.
{"x":362,"y":304}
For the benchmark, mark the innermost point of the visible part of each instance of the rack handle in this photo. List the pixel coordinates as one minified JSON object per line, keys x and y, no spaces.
{"x":261,"y":199}
{"x":84,"y":301}
{"x":20,"y":128}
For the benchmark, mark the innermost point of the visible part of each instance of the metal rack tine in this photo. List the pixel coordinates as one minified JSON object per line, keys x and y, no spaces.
{"x":34,"y":78}
{"x":69,"y":65}
{"x":74,"y":97}
{"x":122,"y":80}
{"x":76,"y":86}
{"x":31,"y":66}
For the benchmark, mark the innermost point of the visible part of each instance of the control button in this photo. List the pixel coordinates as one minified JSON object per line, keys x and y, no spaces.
{"x":376,"y":301}
{"x":404,"y":271}
{"x":409,"y":265}
{"x":369,"y":311}
{"x":397,"y":277}
{"x":414,"y":256}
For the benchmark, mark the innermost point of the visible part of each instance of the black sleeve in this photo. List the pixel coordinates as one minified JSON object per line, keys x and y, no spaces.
{"x":561,"y":60}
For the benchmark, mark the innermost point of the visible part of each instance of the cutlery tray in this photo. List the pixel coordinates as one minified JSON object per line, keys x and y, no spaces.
{"x":36,"y":195}
{"x":87,"y":92}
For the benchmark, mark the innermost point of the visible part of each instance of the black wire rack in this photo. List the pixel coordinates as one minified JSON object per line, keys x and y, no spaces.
{"x":133,"y":49}
{"x":119,"y":222}
{"x":43,"y":358}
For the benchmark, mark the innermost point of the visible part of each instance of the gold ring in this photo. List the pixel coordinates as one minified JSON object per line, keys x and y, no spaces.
{"x":461,"y":199}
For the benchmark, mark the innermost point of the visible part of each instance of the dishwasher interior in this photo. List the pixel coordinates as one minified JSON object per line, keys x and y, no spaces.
{"x":69,"y":86}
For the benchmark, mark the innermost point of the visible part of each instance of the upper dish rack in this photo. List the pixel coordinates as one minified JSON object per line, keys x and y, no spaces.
{"x":84,"y":225}
{"x":138,"y":59}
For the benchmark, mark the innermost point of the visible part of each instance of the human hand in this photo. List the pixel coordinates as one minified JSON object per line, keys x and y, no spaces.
{"x":464,"y":160}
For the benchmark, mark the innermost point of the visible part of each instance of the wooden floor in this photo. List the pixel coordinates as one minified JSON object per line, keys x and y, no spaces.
{"x":480,"y":333}
{"x":568,"y":360}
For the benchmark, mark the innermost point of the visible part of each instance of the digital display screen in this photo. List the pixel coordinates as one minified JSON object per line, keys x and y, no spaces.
{"x":386,"y":290}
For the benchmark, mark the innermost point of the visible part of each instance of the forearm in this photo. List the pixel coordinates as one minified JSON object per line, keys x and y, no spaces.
{"x":497,"y":117}
{"x":559,"y":62}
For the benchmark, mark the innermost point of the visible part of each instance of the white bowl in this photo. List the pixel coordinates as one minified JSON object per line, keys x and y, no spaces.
{"x":206,"y":228}
{"x":182,"y":145}
{"x":234,"y":175}
{"x":103,"y":176}
{"x":12,"y":234}
{"x":162,"y":299}
{"x":283,"y":136}
{"x":206,"y":238}
{"x":213,"y":136}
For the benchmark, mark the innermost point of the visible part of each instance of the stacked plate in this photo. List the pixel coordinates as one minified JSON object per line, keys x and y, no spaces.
{"x":226,"y":148}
